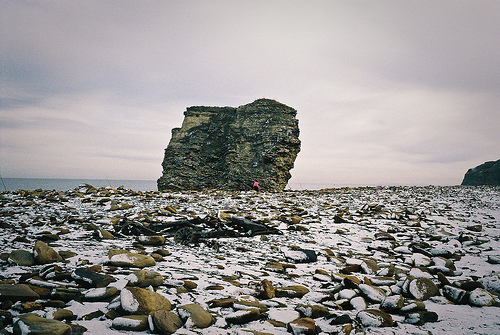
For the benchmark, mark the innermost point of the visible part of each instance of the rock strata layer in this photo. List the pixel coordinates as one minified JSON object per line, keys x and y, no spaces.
{"x":485,"y":174}
{"x":230,"y":148}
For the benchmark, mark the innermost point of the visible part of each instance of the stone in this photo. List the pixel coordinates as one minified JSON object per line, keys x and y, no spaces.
{"x":65,"y":293}
{"x":131,"y":322}
{"x":44,"y":254}
{"x":322,"y":276}
{"x":312,"y":311}
{"x":245,"y":302}
{"x":346,"y":329}
{"x":294,"y":291}
{"x":303,"y":326}
{"x":151,"y":240}
{"x":491,"y":282}
{"x":420,"y":272}
{"x":373,"y":293}
{"x":62,"y":314}
{"x":283,"y":315}
{"x":165,"y":322}
{"x":392,"y":303}
{"x":89,"y":278}
{"x":198,"y":315}
{"x":243,"y":316}
{"x":162,"y":252}
{"x":245,"y":331}
{"x":130,"y":259}
{"x":492,"y":259}
{"x":103,"y":234}
{"x":339,"y":219}
{"x":230,"y":148}
{"x":77,"y":329}
{"x":442,"y":279}
{"x":190,"y":285}
{"x":420,"y":260}
{"x":444,"y":262}
{"x":65,"y":254}
{"x":421,"y":317}
{"x":455,"y":294}
{"x":100,"y":293}
{"x":21,"y":257}
{"x":274,"y":267}
{"x":480,"y":297}
{"x":468,"y":285}
{"x":31,"y":306}
{"x":145,"y":278}
{"x":485,"y":174}
{"x":21,"y":292}
{"x":423,"y":288}
{"x":347,"y":294}
{"x":340,"y":319}
{"x":33,"y":324}
{"x":374,"y":318}
{"x":475,"y":228}
{"x":351,"y":282}
{"x":369,"y":266}
{"x":383,"y":236}
{"x":351,"y":268}
{"x":94,"y":315}
{"x":43,"y":292}
{"x":224,"y":302}
{"x":5,"y":317}
{"x":383,"y":281}
{"x":267,"y":289}
{"x":358,"y":303}
{"x":413,"y":306}
{"x":136,"y":300}
{"x":48,"y":237}
{"x":301,"y":256}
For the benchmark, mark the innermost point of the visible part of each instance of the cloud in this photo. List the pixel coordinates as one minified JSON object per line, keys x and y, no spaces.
{"x":387,"y":91}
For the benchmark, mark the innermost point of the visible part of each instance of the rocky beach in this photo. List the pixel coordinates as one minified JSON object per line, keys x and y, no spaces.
{"x":369,"y":260}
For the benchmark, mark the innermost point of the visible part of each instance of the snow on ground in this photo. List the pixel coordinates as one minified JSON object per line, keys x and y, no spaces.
{"x":382,"y":223}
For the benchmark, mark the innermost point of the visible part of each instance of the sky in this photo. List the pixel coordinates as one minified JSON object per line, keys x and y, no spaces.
{"x":386,"y":92}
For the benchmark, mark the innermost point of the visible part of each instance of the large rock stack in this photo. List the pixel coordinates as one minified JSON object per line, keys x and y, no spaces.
{"x":230,"y":148}
{"x":485,"y":174}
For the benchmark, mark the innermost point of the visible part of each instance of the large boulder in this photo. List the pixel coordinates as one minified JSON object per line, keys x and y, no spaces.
{"x":131,"y":322}
{"x":135,"y":300}
{"x":34,"y":324}
{"x":485,"y":174}
{"x":124,"y":258}
{"x":22,"y":257}
{"x":44,"y":254}
{"x":15,"y":292}
{"x":165,"y":322}
{"x":88,"y":278}
{"x":230,"y":148}
{"x":144,"y":278}
{"x":199,"y":316}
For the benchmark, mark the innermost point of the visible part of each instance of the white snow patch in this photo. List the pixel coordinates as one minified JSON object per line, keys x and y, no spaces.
{"x":129,"y":303}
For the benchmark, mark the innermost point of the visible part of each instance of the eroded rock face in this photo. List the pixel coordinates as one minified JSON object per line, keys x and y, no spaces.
{"x":485,"y":174}
{"x":230,"y":148}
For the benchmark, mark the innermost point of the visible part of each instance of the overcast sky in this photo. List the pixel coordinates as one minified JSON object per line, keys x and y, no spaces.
{"x":387,"y":92}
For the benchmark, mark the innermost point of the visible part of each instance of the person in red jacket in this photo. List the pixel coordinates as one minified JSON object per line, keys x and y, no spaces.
{"x":256,"y":186}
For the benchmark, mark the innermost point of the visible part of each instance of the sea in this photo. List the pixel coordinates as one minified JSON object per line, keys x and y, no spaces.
{"x":14,"y":184}
{"x":59,"y":184}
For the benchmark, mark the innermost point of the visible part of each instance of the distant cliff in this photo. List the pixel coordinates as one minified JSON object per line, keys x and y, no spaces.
{"x":485,"y":174}
{"x":230,"y":148}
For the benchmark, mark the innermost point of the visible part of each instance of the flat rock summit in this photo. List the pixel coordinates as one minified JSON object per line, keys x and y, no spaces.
{"x":487,"y":173}
{"x":229,"y":148}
